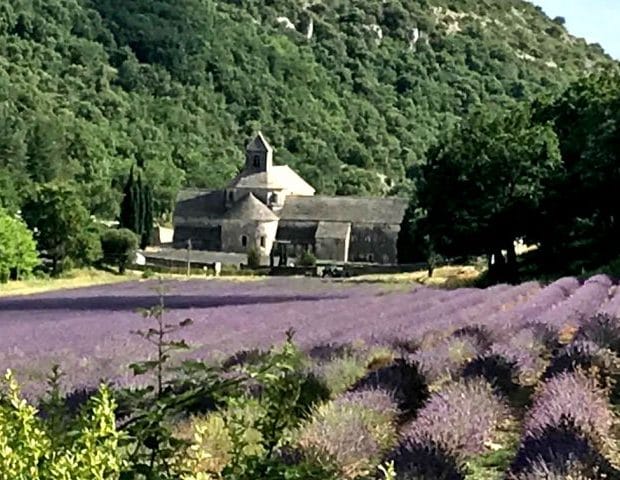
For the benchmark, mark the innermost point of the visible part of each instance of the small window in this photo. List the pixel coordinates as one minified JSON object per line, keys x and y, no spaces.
{"x":256,"y":161}
{"x":244,"y":240}
{"x":263,"y":242}
{"x":231,"y":196}
{"x":274,"y":198}
{"x":371,"y":257}
{"x":368,"y":239}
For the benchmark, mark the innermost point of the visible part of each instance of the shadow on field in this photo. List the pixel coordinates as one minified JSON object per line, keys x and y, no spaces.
{"x":172,"y":302}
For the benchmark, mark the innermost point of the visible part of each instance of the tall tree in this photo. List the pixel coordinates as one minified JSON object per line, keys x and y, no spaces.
{"x":130,"y":217}
{"x":482,"y":184}
{"x":62,"y":225}
{"x":147,"y":216}
{"x":137,"y":207}
{"x":580,"y":216}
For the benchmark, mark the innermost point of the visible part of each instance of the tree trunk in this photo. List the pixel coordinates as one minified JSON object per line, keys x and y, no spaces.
{"x":512,"y":269}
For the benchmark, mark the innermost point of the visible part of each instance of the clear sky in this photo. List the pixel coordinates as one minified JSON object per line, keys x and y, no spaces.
{"x":598,"y":21}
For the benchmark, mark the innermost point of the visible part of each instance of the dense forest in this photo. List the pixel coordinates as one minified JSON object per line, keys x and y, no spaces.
{"x":495,"y":122}
{"x":351,"y":93}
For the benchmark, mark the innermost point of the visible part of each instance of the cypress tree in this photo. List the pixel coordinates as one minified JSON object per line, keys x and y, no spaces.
{"x":147,"y":217}
{"x":130,"y":213}
{"x":137,"y":208}
{"x":139,"y":205}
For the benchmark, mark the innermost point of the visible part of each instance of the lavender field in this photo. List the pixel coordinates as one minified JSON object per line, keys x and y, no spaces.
{"x":528,"y":369}
{"x":88,"y":331}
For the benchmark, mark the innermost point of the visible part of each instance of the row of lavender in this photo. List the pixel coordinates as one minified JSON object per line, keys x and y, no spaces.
{"x":546,"y":371}
{"x":88,"y":332}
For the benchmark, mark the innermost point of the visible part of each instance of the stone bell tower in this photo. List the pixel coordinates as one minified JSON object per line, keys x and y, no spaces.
{"x":259,"y":155}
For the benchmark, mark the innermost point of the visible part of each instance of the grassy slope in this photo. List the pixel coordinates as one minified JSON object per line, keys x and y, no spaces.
{"x":75,"y":279}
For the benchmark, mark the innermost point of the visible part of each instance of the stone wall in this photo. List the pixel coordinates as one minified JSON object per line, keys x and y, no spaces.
{"x":331,"y":249}
{"x":233,"y":232}
{"x":203,"y":237}
{"x":374,"y":243}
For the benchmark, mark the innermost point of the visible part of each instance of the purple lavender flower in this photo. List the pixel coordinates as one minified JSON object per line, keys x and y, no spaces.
{"x":500,"y":372}
{"x":581,"y":305}
{"x":562,"y":450}
{"x":461,"y":418}
{"x":414,"y":461}
{"x":446,"y":359}
{"x":402,"y":379}
{"x":574,"y":397}
{"x":602,"y":329}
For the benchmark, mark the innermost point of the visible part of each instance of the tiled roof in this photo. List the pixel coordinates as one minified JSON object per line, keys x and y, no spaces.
{"x":259,"y":143}
{"x":280,"y":177}
{"x":344,"y":209}
{"x":333,"y":230}
{"x":199,"y":204}
{"x":250,"y":208}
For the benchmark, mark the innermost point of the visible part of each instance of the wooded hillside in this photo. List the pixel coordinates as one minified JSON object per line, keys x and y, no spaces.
{"x":351,"y":93}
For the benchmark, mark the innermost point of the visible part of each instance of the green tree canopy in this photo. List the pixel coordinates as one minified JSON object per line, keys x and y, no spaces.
{"x":18,"y":250}
{"x":63,"y":228}
{"x":119,"y":247}
{"x":484,"y":182}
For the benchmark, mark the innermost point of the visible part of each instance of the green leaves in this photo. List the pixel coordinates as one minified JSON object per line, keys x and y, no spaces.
{"x":18,"y":252}
{"x":35,"y":449}
{"x":63,"y":226}
{"x":486,"y":180}
{"x":119,"y":247}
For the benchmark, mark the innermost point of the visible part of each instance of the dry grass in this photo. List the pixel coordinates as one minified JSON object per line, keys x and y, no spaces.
{"x":74,"y":279}
{"x":80,"y":278}
{"x":442,"y":277}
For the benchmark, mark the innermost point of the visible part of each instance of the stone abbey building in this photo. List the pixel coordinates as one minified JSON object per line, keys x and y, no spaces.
{"x":271,"y":208}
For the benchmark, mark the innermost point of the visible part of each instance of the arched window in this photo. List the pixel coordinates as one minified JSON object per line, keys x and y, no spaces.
{"x":256,"y":161}
{"x":274,"y":198}
{"x":231,"y":196}
{"x":244,"y":240}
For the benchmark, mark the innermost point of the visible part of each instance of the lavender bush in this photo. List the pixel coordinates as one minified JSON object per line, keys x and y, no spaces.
{"x":562,"y":450}
{"x":576,"y":398}
{"x":579,"y":307}
{"x":403,"y":380}
{"x":414,"y":461}
{"x":500,"y":372}
{"x":602,"y":329}
{"x":461,"y":419}
{"x":446,"y":359}
{"x":349,"y":434}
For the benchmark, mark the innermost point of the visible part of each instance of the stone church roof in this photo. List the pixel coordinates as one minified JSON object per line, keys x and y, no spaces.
{"x":333,"y":230}
{"x":280,"y":177}
{"x":200,"y":204}
{"x":250,"y":208}
{"x":344,"y":209}
{"x":259,"y":143}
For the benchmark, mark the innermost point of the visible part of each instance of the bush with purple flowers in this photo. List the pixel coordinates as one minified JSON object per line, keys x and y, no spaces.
{"x":461,"y":419}
{"x":349,"y":434}
{"x":403,"y":380}
{"x":576,"y":398}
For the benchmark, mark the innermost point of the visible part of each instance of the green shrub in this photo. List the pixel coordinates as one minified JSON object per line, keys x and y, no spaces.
{"x":31,"y":450}
{"x":119,"y":247}
{"x":253,"y":258}
{"x":341,"y":373}
{"x":148,"y":273}
{"x":19,"y":250}
{"x":307,"y":259}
